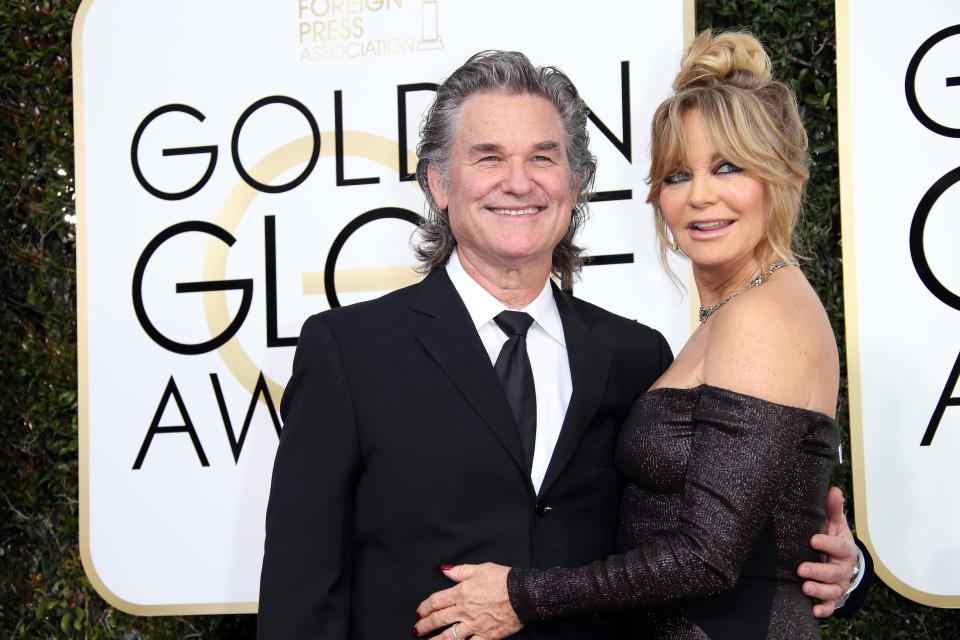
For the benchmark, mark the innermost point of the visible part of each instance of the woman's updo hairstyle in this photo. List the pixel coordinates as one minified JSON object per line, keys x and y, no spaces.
{"x":751,"y":120}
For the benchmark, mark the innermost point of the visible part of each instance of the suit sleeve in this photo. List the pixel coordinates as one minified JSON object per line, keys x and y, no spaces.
{"x":859,"y":594}
{"x":730,"y":488}
{"x":305,"y":579}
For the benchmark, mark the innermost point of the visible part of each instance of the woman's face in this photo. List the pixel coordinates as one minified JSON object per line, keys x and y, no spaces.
{"x":716,"y":211}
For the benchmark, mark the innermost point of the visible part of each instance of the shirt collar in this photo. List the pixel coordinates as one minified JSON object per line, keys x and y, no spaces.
{"x":483,"y":307}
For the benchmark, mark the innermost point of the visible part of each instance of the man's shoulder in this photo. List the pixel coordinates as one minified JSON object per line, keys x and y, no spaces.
{"x":375,"y":308}
{"x":612,"y":322}
{"x":641,"y":352}
{"x":366,"y":318}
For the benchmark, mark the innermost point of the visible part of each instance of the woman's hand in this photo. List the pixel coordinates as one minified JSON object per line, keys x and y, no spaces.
{"x":478,"y":604}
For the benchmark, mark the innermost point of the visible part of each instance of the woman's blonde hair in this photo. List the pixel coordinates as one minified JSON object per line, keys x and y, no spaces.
{"x":751,"y":120}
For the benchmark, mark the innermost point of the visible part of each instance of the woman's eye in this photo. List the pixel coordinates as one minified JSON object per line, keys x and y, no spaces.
{"x":728,"y":167}
{"x":679,"y":176}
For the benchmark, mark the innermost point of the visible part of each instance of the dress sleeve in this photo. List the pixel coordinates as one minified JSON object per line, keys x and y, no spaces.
{"x":740,"y":446}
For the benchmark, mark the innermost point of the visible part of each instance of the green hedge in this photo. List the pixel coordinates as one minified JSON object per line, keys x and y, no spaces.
{"x":44,"y":591}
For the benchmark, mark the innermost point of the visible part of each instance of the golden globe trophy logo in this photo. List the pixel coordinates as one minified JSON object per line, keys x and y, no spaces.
{"x":335,"y":29}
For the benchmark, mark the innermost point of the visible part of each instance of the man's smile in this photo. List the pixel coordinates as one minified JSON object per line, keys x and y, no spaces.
{"x":513,"y":211}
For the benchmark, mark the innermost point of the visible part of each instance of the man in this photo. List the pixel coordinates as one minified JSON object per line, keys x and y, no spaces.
{"x":410,"y":437}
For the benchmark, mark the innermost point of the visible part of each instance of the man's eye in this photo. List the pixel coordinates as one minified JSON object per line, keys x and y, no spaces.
{"x":543,"y":158}
{"x":489,"y":159}
{"x":679,"y":176}
{"x":728,"y":167}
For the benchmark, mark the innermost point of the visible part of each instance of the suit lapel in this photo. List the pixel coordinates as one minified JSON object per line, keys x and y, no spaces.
{"x":452,"y":340}
{"x":589,"y":367}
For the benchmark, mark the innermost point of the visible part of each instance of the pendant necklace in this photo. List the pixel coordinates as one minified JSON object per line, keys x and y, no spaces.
{"x":706,"y":312}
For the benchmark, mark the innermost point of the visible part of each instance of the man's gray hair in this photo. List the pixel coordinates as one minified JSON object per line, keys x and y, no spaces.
{"x":507,"y":72}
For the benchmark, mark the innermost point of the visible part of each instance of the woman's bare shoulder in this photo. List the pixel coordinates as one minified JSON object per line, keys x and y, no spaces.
{"x":775,"y":342}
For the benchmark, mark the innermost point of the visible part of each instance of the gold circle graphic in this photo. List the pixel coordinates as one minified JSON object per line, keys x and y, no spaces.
{"x":281,"y":159}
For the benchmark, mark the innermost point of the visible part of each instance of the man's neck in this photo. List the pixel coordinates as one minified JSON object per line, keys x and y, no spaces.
{"x":515,"y":285}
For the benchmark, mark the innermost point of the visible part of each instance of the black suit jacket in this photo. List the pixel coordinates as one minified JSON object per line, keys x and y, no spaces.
{"x":399,"y":452}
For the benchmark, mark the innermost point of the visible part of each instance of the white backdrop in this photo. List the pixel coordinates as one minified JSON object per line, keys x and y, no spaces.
{"x":171,"y":508}
{"x":900,"y":230}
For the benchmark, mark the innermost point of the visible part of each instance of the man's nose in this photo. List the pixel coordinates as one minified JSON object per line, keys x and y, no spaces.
{"x":517,"y":179}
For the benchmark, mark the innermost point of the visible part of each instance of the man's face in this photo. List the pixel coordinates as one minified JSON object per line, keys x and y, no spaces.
{"x":509,"y":193}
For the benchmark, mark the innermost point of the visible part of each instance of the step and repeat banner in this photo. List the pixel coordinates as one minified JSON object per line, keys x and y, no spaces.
{"x":242,"y":165}
{"x":899,"y":90}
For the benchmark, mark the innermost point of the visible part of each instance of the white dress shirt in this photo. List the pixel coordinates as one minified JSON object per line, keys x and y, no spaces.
{"x":546,"y":348}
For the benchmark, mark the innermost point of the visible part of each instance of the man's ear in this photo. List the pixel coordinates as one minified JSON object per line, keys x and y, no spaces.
{"x":438,"y":187}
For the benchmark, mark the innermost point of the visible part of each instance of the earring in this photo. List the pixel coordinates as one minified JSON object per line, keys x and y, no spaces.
{"x":671,"y":241}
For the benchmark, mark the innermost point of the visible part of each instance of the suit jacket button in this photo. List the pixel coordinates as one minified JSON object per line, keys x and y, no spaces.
{"x":541,"y":508}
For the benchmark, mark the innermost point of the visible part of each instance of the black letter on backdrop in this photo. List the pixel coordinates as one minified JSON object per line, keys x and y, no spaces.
{"x":917,"y":251}
{"x":186,"y":427}
{"x":181,"y":151}
{"x":402,"y":91}
{"x":314,"y":154}
{"x":945,"y":401}
{"x":338,"y":149}
{"x":329,"y":282}
{"x":625,"y":146}
{"x":236,"y":445}
{"x":270,"y":262}
{"x":246,"y":286}
{"x":910,"y":83}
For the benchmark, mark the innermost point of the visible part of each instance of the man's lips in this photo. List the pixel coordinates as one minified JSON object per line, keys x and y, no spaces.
{"x":515,"y":211}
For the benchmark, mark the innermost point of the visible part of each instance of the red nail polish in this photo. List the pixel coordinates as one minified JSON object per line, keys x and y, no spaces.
{"x":415,"y":633}
{"x":419,"y":616}
{"x":446,"y":566}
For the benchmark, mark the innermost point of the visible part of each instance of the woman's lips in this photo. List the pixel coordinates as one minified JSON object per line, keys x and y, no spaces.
{"x":707,"y":229}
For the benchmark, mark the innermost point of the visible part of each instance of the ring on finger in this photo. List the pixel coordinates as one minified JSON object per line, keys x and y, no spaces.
{"x":453,"y":632}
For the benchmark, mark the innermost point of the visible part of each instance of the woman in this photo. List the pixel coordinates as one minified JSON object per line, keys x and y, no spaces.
{"x":728,"y":456}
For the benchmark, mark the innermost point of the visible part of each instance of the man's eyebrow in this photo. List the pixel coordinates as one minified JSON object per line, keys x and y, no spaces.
{"x":548,"y":145}
{"x":485,"y":147}
{"x":492,"y":147}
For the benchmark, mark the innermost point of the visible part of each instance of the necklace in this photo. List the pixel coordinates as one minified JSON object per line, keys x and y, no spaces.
{"x":706,"y":312}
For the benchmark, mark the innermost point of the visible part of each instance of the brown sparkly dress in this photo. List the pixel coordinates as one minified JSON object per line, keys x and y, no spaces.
{"x":723,"y":494}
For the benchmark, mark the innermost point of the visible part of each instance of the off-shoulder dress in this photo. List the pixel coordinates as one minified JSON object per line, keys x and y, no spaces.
{"x":723,"y":493}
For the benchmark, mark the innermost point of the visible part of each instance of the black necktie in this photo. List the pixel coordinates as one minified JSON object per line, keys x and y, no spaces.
{"x":513,"y":368}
